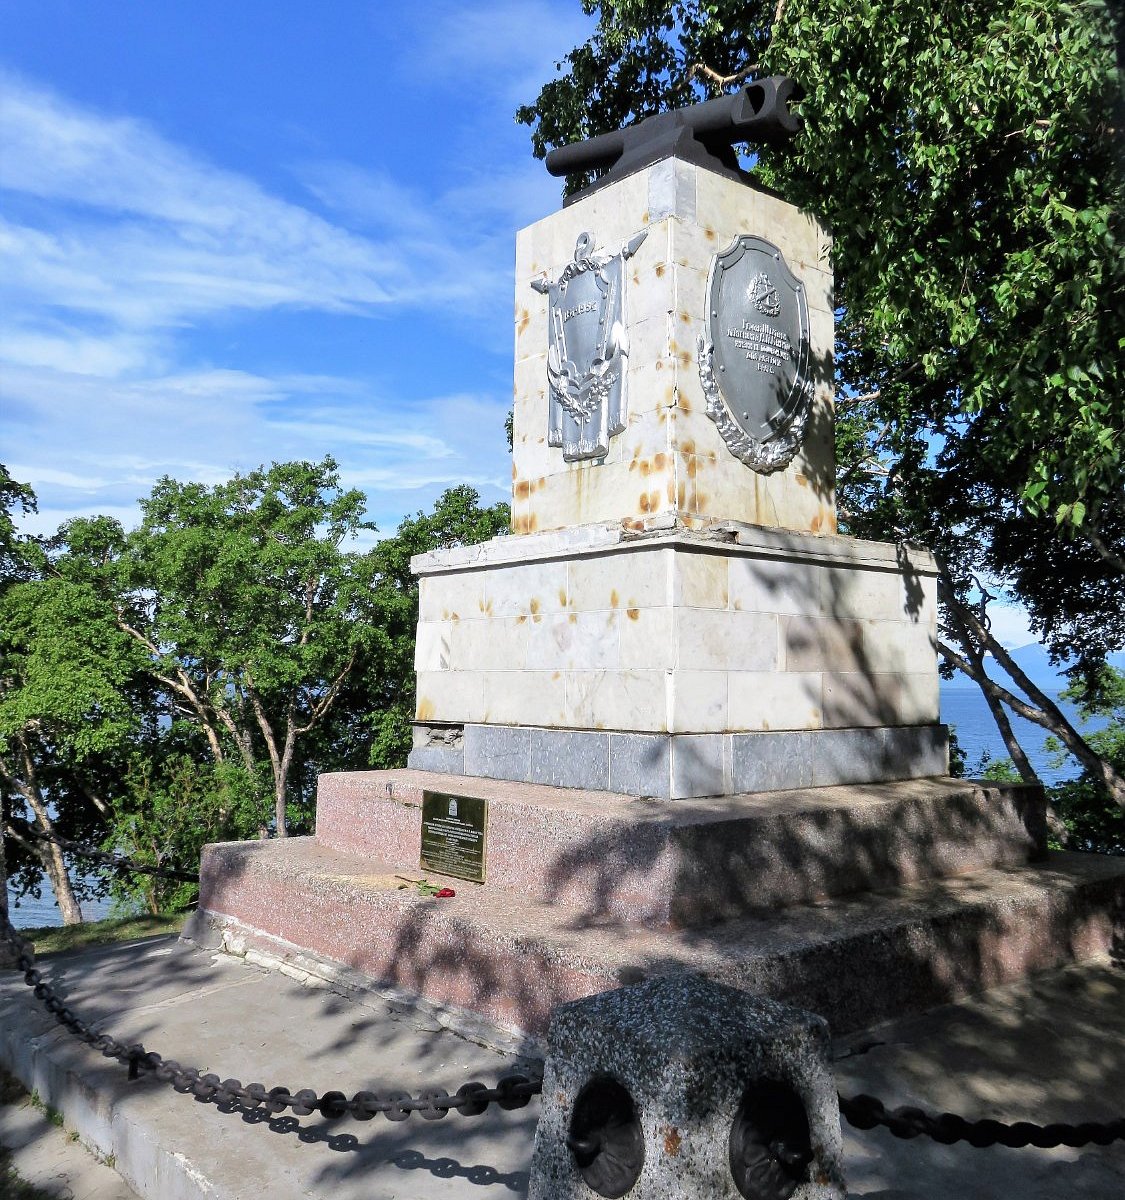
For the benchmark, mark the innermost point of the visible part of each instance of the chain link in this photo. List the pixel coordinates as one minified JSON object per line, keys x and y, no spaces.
{"x":865,"y":1112}
{"x":470,"y":1100}
{"x":516,"y":1090}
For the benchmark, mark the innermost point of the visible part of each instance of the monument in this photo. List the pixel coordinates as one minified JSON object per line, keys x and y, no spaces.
{"x":674,"y":614}
{"x":673,"y":721}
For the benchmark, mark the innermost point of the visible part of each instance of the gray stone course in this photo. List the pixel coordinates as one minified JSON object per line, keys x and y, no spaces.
{"x":678,"y":766}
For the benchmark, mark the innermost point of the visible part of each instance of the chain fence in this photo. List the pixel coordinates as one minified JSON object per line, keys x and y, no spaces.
{"x":512,"y":1091}
{"x":866,"y":1112}
{"x":470,"y":1100}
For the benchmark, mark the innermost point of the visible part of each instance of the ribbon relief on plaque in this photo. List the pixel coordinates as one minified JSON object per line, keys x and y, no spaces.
{"x":586,"y":349}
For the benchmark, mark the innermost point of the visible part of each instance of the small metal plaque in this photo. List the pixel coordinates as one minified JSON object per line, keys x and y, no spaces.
{"x":754,"y":358}
{"x":454,"y":832}
{"x":586,"y":349}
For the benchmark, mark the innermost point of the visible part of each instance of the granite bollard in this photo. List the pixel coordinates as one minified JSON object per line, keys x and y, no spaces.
{"x":681,"y":1088}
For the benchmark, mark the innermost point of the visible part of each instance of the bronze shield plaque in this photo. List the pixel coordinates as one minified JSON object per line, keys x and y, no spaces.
{"x":754,"y":358}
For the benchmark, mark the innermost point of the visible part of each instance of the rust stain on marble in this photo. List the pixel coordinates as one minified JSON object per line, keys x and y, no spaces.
{"x":425,"y":709}
{"x":672,"y":1139}
{"x":633,"y":614}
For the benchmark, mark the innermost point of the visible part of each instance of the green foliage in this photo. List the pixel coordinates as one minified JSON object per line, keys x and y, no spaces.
{"x":968,"y":159}
{"x":457,"y":520}
{"x":185,"y":682}
{"x":1092,"y":820}
{"x":170,"y":805}
{"x":996,"y":770}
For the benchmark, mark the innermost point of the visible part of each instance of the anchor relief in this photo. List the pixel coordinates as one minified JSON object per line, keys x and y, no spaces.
{"x":586,"y":349}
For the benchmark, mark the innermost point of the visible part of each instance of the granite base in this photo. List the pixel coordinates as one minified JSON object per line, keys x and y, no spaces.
{"x":672,"y":766}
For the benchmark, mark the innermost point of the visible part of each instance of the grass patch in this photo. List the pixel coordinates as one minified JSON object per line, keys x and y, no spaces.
{"x":53,"y":939}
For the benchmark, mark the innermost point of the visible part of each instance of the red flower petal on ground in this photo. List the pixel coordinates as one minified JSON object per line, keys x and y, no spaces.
{"x":444,"y":893}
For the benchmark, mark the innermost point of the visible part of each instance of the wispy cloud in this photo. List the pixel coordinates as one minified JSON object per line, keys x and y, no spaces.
{"x":132,"y":228}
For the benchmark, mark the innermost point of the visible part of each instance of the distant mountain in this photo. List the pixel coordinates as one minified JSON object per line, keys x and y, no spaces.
{"x":1033,"y":660}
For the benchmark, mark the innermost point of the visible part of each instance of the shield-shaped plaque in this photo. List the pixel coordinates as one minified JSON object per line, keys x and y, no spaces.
{"x":586,"y":349}
{"x":754,"y":358}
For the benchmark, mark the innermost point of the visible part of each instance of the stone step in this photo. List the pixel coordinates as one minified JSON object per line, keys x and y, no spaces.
{"x":854,"y":960}
{"x":684,"y":863}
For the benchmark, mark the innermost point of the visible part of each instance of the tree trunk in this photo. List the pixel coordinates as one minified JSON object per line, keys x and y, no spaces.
{"x":1041,"y":711}
{"x":8,"y":954}
{"x":975,"y":656}
{"x":55,"y":865}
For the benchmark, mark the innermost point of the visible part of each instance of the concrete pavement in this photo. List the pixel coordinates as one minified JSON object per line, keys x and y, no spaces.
{"x":47,"y":1156}
{"x":1049,"y":1048}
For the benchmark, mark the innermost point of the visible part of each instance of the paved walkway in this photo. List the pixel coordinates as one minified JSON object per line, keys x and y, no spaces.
{"x":47,"y":1156}
{"x":1048,"y":1049}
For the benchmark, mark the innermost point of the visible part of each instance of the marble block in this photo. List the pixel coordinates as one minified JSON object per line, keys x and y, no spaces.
{"x":670,"y":459}
{"x":677,"y":631}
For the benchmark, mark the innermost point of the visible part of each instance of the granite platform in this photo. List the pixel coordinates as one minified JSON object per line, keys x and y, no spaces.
{"x":853,"y":960}
{"x":857,"y":904}
{"x":686,"y":863}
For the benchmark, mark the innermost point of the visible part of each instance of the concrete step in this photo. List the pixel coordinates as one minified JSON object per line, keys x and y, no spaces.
{"x":855,"y":960}
{"x":683,"y":863}
{"x":1042,"y":1050}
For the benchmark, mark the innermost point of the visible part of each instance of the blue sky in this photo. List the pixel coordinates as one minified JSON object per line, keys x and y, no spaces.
{"x":232,"y":233}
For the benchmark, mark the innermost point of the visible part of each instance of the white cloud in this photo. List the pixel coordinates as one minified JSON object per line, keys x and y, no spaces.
{"x":119,"y":254}
{"x":133,"y":228}
{"x":504,"y":47}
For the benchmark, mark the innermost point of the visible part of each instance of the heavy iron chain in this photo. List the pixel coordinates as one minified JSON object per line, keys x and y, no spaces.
{"x":865,"y":1112}
{"x":111,"y":860}
{"x":516,"y":1090}
{"x":470,"y":1100}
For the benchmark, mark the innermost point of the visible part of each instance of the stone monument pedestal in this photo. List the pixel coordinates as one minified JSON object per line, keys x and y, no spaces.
{"x":704,"y":726}
{"x":678,"y":662}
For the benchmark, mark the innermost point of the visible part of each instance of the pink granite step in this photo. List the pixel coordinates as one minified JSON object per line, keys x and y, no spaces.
{"x":855,"y":960}
{"x":693,"y":862}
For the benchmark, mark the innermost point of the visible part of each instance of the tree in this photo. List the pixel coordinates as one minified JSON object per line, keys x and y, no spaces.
{"x":13,"y":495}
{"x":248,"y":607}
{"x":170,"y":686}
{"x":968,"y":159}
{"x":1091,"y":824}
{"x":67,"y":692}
{"x":457,"y":520}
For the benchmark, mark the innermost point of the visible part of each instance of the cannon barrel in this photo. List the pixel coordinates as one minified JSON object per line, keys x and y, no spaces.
{"x":757,"y":112}
{"x":601,"y":151}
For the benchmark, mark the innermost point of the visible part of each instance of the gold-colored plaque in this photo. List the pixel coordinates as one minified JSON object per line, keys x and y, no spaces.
{"x":454,"y":831}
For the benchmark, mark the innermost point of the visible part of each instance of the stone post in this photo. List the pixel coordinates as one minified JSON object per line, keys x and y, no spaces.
{"x":679,"y":1088}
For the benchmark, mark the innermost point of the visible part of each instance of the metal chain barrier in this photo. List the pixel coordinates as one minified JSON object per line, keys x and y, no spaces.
{"x":110,"y":860}
{"x":470,"y":1100}
{"x":511,"y":1091}
{"x":865,"y":1112}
